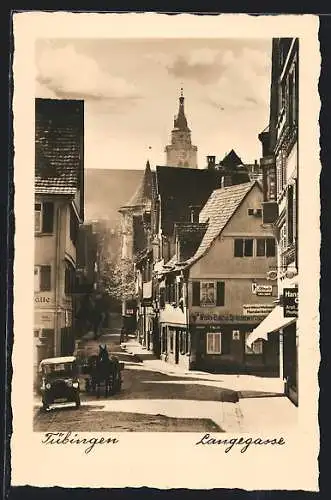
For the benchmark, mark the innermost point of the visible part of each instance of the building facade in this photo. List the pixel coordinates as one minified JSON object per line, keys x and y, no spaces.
{"x":216,"y":290}
{"x":59,"y":209}
{"x":280,"y":163}
{"x":181,"y":152}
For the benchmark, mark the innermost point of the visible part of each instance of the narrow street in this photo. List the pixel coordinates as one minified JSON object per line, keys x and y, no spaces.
{"x":149,"y":401}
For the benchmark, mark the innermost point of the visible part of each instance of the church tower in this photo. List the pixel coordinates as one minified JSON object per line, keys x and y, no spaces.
{"x":181,"y":152}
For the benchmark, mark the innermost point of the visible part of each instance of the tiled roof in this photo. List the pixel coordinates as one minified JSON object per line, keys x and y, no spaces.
{"x":179,"y":188}
{"x":218,"y":210}
{"x":145,"y":190}
{"x":59,"y":135}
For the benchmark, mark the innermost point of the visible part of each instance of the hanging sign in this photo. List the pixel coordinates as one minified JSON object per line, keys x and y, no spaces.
{"x":290,"y":302}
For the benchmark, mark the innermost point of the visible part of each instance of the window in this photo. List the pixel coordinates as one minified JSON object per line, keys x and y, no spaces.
{"x":243,"y":247}
{"x":214,"y":343}
{"x":208,"y":293}
{"x":164,"y":339}
{"x":265,"y":247}
{"x":257,"y":212}
{"x":42,"y":278}
{"x":73,"y":226}
{"x":171,"y":338}
{"x":37,"y":217}
{"x":256,"y":348}
{"x":44,"y":217}
{"x":290,"y":214}
{"x":182,"y":341}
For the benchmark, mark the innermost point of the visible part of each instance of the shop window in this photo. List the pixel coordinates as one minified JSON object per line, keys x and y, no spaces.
{"x":183,"y":341}
{"x":44,"y":217}
{"x":42,"y":278}
{"x":265,"y":247}
{"x":243,"y":247}
{"x":214,"y":343}
{"x":164,"y":339}
{"x":171,"y":340}
{"x":256,"y":347}
{"x":208,"y":293}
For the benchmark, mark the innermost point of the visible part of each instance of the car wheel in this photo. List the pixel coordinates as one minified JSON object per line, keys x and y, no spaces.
{"x":45,"y":406}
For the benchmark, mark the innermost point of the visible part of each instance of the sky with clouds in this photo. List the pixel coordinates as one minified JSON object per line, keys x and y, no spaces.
{"x":131,"y":89}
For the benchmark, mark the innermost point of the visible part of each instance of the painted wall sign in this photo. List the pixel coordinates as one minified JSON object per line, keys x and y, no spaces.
{"x":44,"y":320}
{"x":290,"y":302}
{"x":207,"y":318}
{"x":42,"y":299}
{"x":257,"y":309}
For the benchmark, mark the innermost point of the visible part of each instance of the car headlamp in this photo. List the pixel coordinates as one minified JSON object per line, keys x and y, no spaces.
{"x":48,"y":385}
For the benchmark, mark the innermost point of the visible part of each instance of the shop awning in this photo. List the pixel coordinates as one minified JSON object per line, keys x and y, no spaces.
{"x":272,"y":323}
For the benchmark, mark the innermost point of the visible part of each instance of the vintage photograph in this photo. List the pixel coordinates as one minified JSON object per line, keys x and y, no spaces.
{"x":166,"y":235}
{"x":166,"y":175}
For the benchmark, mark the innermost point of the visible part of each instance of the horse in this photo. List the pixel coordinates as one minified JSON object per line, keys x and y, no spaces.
{"x":105,"y":370}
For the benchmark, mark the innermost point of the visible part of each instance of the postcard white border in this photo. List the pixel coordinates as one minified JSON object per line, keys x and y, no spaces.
{"x":165,"y":460}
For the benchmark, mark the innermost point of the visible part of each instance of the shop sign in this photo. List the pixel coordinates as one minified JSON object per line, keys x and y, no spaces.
{"x":262,"y":290}
{"x":44,"y":320}
{"x":290,"y":302}
{"x":257,"y":309}
{"x":44,"y":299}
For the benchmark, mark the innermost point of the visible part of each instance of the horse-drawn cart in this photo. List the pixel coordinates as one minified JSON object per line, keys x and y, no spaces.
{"x":101,"y":369}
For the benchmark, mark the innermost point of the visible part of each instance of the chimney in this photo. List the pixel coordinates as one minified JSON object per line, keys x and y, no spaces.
{"x":195,"y":210}
{"x":211,"y":160}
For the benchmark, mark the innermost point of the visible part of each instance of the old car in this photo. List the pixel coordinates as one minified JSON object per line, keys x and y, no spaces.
{"x":59,"y":381}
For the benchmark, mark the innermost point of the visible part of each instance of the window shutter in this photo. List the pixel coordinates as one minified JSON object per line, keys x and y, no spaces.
{"x":238,"y":248}
{"x":220,"y":293}
{"x":195,"y":293}
{"x":45,"y":278}
{"x":48,"y":217}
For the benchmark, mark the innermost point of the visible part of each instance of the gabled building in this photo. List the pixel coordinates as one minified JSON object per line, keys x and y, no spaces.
{"x":214,"y":291}
{"x":59,"y":210}
{"x":136,"y":243}
{"x":280,"y":208}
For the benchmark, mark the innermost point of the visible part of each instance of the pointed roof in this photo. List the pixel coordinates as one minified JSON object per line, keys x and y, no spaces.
{"x":220,"y":207}
{"x":144,"y":192}
{"x":231,"y":160}
{"x":180,"y":121}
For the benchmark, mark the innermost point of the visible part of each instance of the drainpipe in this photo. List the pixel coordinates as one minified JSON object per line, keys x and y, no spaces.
{"x":57,"y":277}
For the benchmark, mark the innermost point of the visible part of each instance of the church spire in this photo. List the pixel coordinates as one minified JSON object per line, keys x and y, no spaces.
{"x":180,"y":121}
